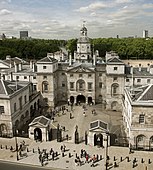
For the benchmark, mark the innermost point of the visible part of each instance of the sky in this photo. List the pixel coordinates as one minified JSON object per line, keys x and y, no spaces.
{"x":63,"y":19}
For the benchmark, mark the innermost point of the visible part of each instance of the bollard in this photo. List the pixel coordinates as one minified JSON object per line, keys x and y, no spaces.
{"x":114,"y":158}
{"x":76,"y":155}
{"x":1,"y":147}
{"x":33,"y":150}
{"x":115,"y":165}
{"x":121,"y":159}
{"x":69,"y":155}
{"x":101,"y":157}
{"x":5,"y":146}
{"x":142,"y":160}
{"x":149,"y":161}
{"x":128,"y":159}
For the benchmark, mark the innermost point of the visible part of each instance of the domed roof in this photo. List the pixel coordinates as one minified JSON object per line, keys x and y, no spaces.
{"x":83,"y":39}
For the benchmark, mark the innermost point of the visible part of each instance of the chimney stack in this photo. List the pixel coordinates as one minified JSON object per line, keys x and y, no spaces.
{"x":139,"y":67}
{"x":148,"y":68}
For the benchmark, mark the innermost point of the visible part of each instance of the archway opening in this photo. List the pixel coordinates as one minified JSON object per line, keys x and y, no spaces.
{"x":37,"y":134}
{"x":114,"y":105}
{"x":89,"y":100}
{"x":140,"y":142}
{"x":95,"y":139}
{"x":99,"y":140}
{"x":81,"y":99}
{"x":72,"y":99}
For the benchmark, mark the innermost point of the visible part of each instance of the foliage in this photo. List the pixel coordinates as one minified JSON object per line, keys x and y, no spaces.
{"x":127,"y":48}
{"x":29,"y":49}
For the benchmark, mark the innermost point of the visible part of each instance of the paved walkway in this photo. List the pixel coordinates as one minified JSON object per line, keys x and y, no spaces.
{"x":114,"y":119}
{"x":68,"y":163}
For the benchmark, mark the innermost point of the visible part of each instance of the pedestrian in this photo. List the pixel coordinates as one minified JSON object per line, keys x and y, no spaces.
{"x":84,"y":114}
{"x":47,"y":156}
{"x":87,"y":158}
{"x":97,"y":157}
{"x":40,"y":157}
{"x":92,"y":165}
{"x":51,"y":150}
{"x":61,"y":147}
{"x":38,"y":150}
{"x":64,"y":147}
{"x":70,"y":115}
{"x":53,"y":156}
{"x":67,"y":137}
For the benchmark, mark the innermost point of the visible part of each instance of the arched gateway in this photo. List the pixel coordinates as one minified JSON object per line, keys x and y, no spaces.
{"x":81,"y":99}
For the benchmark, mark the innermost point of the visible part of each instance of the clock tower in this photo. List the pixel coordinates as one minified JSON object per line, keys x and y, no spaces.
{"x":83,"y":53}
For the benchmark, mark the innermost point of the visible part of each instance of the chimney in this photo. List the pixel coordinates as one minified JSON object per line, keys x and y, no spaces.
{"x":31,"y":63}
{"x":70,"y":59}
{"x":131,"y":70}
{"x":148,"y":68}
{"x":94,"y":59}
{"x":139,"y":67}
{"x":33,"y":67}
{"x":20,"y":66}
{"x":16,"y":67}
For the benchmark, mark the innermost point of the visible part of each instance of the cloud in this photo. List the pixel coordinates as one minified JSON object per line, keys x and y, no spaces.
{"x":92,"y":7}
{"x":5,"y":12}
{"x":123,"y":1}
{"x":148,"y":6}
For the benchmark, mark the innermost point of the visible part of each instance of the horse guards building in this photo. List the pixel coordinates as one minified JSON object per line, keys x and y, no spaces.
{"x":26,"y":87}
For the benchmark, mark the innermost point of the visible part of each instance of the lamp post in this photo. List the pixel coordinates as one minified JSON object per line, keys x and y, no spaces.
{"x":16,"y":143}
{"x":107,"y":157}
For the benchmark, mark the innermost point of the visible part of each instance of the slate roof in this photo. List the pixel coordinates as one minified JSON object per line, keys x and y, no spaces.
{"x":8,"y":88}
{"x":143,"y":71}
{"x":114,"y":60}
{"x":47,"y":59}
{"x":41,"y":120}
{"x":98,"y":124}
{"x":142,"y":93}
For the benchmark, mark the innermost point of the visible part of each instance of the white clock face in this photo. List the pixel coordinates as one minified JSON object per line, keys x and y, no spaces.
{"x":83,"y":48}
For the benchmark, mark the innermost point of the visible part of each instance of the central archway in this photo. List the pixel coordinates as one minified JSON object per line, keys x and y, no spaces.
{"x":81,"y":99}
{"x":38,"y":134}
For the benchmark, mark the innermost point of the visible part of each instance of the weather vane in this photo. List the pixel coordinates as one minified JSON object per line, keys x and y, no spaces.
{"x":84,"y":23}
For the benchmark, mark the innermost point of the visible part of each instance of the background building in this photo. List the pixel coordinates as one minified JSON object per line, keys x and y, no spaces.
{"x":23,"y":34}
{"x":145,"y":34}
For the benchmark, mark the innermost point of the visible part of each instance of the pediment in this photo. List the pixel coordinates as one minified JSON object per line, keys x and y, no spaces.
{"x":37,"y":125}
{"x":101,"y":130}
{"x":81,"y":69}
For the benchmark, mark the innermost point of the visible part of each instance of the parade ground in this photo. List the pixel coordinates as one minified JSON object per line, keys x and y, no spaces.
{"x":119,"y":156}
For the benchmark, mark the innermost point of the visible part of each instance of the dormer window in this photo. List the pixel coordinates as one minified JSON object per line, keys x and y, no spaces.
{"x":44,"y":67}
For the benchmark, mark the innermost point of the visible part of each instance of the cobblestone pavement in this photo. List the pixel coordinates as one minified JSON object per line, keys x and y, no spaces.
{"x":114,"y":119}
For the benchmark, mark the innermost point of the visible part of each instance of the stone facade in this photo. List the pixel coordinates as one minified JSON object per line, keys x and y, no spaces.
{"x":138,"y":117}
{"x":17,"y":105}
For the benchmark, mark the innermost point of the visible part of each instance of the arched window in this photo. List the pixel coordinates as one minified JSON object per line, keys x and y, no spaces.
{"x":44,"y":86}
{"x":80,"y":85}
{"x":114,"y":89}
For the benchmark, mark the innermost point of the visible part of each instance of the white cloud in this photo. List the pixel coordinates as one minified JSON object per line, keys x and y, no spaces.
{"x":123,"y":1}
{"x":93,"y":6}
{"x":93,"y":14}
{"x":5,"y":12}
{"x":148,"y":6}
